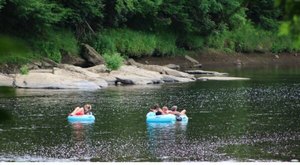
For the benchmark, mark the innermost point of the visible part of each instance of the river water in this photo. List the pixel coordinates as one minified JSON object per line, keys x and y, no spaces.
{"x":255,"y":120}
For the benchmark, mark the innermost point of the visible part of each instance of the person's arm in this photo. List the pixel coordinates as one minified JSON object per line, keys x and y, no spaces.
{"x":162,"y":112}
{"x":174,"y":112}
{"x":75,"y":111}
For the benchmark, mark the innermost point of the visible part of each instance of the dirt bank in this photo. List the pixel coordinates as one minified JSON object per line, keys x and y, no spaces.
{"x":211,"y":59}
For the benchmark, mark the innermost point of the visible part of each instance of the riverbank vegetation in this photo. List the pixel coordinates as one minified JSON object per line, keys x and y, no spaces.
{"x":36,"y":29}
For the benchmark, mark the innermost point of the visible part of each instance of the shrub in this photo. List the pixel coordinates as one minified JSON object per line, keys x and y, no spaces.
{"x":24,"y":70}
{"x":282,"y":44}
{"x":166,"y":44}
{"x":113,"y":61}
{"x":53,"y":42}
{"x":14,"y":50}
{"x":247,"y":39}
{"x":135,"y":43}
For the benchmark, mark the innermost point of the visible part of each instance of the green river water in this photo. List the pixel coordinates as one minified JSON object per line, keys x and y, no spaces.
{"x":254,"y":120}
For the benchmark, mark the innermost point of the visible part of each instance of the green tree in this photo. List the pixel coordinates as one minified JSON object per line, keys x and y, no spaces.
{"x":85,"y":16}
{"x":264,"y":13}
{"x":291,"y":24}
{"x":2,"y":2}
{"x":32,"y":15}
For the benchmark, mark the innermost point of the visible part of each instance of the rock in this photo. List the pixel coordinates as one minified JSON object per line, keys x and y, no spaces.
{"x":41,"y":71}
{"x":238,"y":62}
{"x":197,"y":66}
{"x":161,"y":70}
{"x":191,"y":59}
{"x":139,"y":72}
{"x":124,"y":81}
{"x":52,"y":81}
{"x":170,"y":78}
{"x":6,"y":80}
{"x":276,"y":56}
{"x":221,"y":78}
{"x":35,"y":65}
{"x":154,"y":68}
{"x":133,"y":80}
{"x":260,"y":49}
{"x":81,"y":73}
{"x":137,"y":76}
{"x":206,"y":72}
{"x":47,"y":63}
{"x":173,"y":66}
{"x":110,"y":79}
{"x":91,"y":55}
{"x":68,"y":58}
{"x":98,"y":69}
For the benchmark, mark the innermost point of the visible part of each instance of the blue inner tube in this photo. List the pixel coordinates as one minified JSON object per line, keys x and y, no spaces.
{"x":151,"y":117}
{"x":82,"y":118}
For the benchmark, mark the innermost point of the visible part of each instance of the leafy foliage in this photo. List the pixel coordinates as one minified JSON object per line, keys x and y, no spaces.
{"x":264,"y":13}
{"x":54,"y":43}
{"x":14,"y":50}
{"x":134,"y":43}
{"x":291,"y":24}
{"x":2,"y":2}
{"x":31,"y":15}
{"x":83,"y":16}
{"x":113,"y":61}
{"x":24,"y":70}
{"x":150,"y":27}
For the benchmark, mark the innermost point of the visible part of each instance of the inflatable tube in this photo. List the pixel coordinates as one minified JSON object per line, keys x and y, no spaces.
{"x":82,"y":119}
{"x":151,"y":117}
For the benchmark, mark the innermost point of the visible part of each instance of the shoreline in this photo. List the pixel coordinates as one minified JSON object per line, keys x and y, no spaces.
{"x":213,"y":59}
{"x":144,"y":71}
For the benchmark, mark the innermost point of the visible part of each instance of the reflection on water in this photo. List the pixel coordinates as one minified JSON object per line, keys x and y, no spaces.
{"x":81,"y":140}
{"x":164,"y":139}
{"x":255,"y":120}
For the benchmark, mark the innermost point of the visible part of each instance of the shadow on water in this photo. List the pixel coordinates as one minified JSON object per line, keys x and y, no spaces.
{"x":7,"y":91}
{"x":164,"y":139}
{"x":5,"y":114}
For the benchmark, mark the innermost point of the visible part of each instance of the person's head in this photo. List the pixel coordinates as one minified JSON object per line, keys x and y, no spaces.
{"x":156,"y":106}
{"x":87,"y":108}
{"x":165,"y":108}
{"x":174,"y":108}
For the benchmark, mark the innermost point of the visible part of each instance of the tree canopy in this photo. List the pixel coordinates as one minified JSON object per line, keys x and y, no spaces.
{"x":188,"y":24}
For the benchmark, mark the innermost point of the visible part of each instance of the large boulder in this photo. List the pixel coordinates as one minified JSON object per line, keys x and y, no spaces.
{"x":68,"y":58}
{"x":170,"y":78}
{"x":52,"y":81}
{"x":91,"y":56}
{"x":5,"y":80}
{"x":135,"y":76}
{"x":162,"y":70}
{"x":98,"y":69}
{"x":81,"y":73}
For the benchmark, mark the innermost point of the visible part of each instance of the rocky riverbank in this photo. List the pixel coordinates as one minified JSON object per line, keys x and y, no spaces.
{"x":93,"y":74}
{"x":66,"y":76}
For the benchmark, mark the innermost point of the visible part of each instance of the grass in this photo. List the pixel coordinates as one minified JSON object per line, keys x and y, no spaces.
{"x":249,"y":39}
{"x":14,"y":50}
{"x":54,"y":43}
{"x":17,"y":51}
{"x":135,"y":43}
